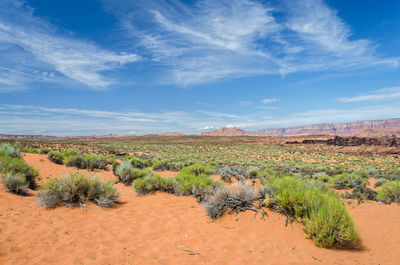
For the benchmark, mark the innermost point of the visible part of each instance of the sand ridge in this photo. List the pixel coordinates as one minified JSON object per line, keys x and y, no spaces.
{"x":168,"y":229}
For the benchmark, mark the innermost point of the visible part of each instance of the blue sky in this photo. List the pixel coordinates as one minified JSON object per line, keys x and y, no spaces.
{"x":141,"y":66}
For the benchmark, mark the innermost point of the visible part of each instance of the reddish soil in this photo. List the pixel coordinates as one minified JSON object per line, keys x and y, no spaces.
{"x":167,"y":229}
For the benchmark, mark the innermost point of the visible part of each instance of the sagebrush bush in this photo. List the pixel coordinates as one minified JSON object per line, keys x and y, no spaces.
{"x":238,"y":197}
{"x":92,"y":161}
{"x":56,"y":157}
{"x":32,"y":150}
{"x":10,"y":150}
{"x":77,"y":161}
{"x":153,"y":183}
{"x":325,"y":217}
{"x":199,"y":168}
{"x":44,"y":150}
{"x":17,"y":166}
{"x":76,"y":189}
{"x":348,"y":181}
{"x":389,"y":192}
{"x":16,"y":183}
{"x":137,"y":162}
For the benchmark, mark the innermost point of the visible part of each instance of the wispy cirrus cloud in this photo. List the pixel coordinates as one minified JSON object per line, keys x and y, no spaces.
{"x":38,"y":42}
{"x":389,"y":93}
{"x":212,"y":40}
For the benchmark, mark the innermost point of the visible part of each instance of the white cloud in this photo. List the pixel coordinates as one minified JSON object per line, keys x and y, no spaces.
{"x":269,"y":100}
{"x":213,"y":40}
{"x":245,"y":103}
{"x":18,"y":119}
{"x":76,"y":59}
{"x":389,"y":93}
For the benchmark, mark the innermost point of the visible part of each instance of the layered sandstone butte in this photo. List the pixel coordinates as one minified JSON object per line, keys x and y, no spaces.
{"x":379,"y":127}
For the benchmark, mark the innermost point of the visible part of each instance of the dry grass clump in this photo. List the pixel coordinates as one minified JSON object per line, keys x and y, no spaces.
{"x":76,"y":189}
{"x":238,"y":197}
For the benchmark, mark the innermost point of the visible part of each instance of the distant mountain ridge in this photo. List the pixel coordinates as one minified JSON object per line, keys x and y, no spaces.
{"x":373,"y":126}
{"x":362,"y":128}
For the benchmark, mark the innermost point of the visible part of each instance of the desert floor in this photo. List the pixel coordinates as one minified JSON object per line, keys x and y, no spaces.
{"x":167,"y":229}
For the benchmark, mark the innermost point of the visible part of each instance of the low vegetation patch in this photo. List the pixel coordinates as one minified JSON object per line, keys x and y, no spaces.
{"x":389,"y":192}
{"x":18,"y":175}
{"x":16,"y":183}
{"x":325,"y":218}
{"x":77,"y":189}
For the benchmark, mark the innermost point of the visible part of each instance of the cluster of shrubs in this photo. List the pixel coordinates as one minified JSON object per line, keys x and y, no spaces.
{"x":35,"y":150}
{"x":18,"y":176}
{"x":76,"y":189}
{"x":72,"y":158}
{"x":127,"y":173}
{"x":192,"y":180}
{"x":325,"y":217}
{"x":164,"y":164}
{"x":389,"y":192}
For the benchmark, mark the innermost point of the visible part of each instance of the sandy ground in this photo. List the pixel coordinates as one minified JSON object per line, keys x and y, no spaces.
{"x":167,"y":229}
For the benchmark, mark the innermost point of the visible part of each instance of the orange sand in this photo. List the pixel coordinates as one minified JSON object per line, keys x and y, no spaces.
{"x":167,"y":229}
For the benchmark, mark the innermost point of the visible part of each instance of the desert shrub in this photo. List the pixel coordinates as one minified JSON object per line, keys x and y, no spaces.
{"x":74,"y":189}
{"x":199,"y":168}
{"x":10,"y":150}
{"x":115,"y":164}
{"x":32,"y":150}
{"x":16,"y":183}
{"x":389,"y":192}
{"x":183,"y":184}
{"x":164,"y":164}
{"x":17,"y":166}
{"x":380,"y":181}
{"x":124,"y":171}
{"x":325,"y":217}
{"x":348,"y":181}
{"x":190,"y":184}
{"x":69,"y":152}
{"x":137,"y":162}
{"x":93,"y":161}
{"x":362,"y":193}
{"x":75,"y":161}
{"x":239,"y":197}
{"x":153,"y":183}
{"x":56,"y":157}
{"x":44,"y":150}
{"x":127,"y":173}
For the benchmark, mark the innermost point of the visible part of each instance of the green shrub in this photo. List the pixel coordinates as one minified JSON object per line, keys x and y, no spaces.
{"x":136,"y":162}
{"x":17,"y":166}
{"x":69,"y":152}
{"x":16,"y":183}
{"x":31,"y":150}
{"x":75,"y":188}
{"x":389,"y":192}
{"x":56,"y":157}
{"x":348,"y":181}
{"x":199,"y":168}
{"x":77,"y":161}
{"x":325,"y":217}
{"x":93,"y":161}
{"x":189,"y":184}
{"x":127,"y":173}
{"x":44,"y":150}
{"x":153,"y":183}
{"x":10,"y":150}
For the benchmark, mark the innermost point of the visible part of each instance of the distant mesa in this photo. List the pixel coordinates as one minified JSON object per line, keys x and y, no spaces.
{"x":360,"y":128}
{"x":172,"y":134}
{"x":230,"y":132}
